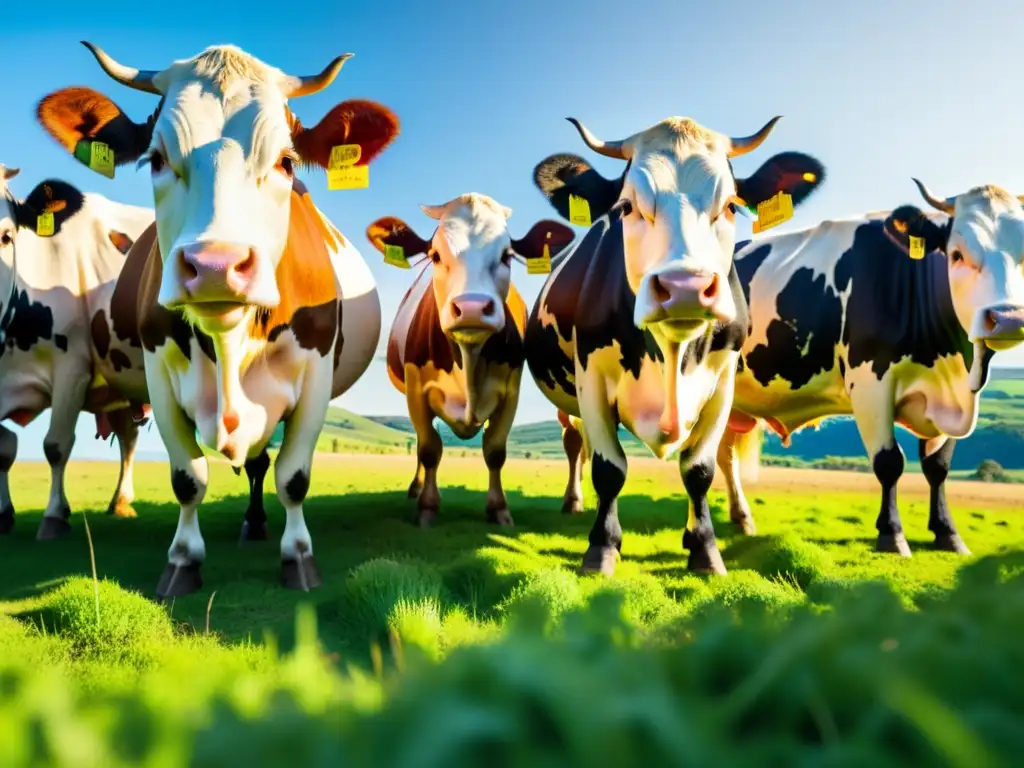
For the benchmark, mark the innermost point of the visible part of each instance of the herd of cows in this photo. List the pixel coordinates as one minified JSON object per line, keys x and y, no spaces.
{"x":235,"y":304}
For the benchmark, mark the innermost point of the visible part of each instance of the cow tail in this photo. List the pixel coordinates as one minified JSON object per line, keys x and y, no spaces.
{"x":747,"y":449}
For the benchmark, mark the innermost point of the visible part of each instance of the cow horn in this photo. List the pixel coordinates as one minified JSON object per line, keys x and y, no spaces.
{"x":946,"y":206}
{"x":304,"y":86}
{"x":10,"y":173}
{"x":139,"y":79}
{"x":1021,"y":198}
{"x":746,"y":144}
{"x":617,"y":149}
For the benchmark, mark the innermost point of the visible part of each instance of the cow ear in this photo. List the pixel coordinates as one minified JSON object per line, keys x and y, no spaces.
{"x":559,"y":176}
{"x":79,"y":117}
{"x":794,"y":173}
{"x":367,"y":124}
{"x":49,"y":206}
{"x":554,"y":234}
{"x":393,"y":231}
{"x":910,"y":221}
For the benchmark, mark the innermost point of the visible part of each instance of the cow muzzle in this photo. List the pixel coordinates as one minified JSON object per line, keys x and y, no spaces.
{"x":215,"y":277}
{"x":685,"y":298}
{"x":1000,"y":327}
{"x":472,"y":318}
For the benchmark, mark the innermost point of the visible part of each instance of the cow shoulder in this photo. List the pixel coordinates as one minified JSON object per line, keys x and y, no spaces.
{"x":124,"y":303}
{"x":305,"y":280}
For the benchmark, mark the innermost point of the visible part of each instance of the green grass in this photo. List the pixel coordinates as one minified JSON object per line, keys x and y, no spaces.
{"x":433,"y":645}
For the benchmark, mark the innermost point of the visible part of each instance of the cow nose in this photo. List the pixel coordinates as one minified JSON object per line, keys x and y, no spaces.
{"x":682,"y":291}
{"x":475,"y":314}
{"x":1003,"y":324}
{"x":216,"y":271}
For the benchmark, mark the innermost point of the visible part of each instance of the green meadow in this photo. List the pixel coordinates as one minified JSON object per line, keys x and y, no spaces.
{"x":434,"y":647}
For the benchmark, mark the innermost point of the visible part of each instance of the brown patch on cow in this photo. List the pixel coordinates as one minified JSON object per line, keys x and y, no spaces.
{"x":316,"y":327}
{"x":356,"y":121}
{"x":100,"y":333}
{"x":396,"y":371}
{"x":120,"y":360}
{"x":125,"y":302}
{"x":426,"y":342}
{"x":121,"y":241}
{"x":339,"y":342}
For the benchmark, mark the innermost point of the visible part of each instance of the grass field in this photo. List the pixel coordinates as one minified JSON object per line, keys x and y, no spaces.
{"x":460,"y":586}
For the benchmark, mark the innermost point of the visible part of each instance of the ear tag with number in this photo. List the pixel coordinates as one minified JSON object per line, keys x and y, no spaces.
{"x":542,"y":264}
{"x":44,"y":224}
{"x":97,"y":156}
{"x":773,"y":211}
{"x":395,"y":256}
{"x":916,"y":247}
{"x":579,"y":211}
{"x":342,"y":171}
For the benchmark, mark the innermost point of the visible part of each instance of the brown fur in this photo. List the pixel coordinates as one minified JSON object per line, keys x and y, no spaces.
{"x":370,"y":125}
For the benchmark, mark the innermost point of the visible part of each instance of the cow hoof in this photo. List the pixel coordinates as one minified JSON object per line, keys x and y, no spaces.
{"x":951,"y":542}
{"x":572,"y":507}
{"x":500,"y":517}
{"x":426,"y":517}
{"x":894,"y":544}
{"x":302,"y":574}
{"x":256,"y":531}
{"x":6,"y":521}
{"x":600,"y":560}
{"x":746,"y":525}
{"x":704,"y":555}
{"x":178,"y":580}
{"x":52,"y":528}
{"x":122,"y":508}
{"x":414,"y":489}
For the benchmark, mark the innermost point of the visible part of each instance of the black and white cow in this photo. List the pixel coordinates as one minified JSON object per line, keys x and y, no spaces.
{"x":60,"y":252}
{"x":844,"y":321}
{"x":641,"y":324}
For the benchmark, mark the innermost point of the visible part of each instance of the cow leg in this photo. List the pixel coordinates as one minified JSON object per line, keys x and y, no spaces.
{"x":57,"y":445}
{"x":127,"y":432}
{"x":608,"y":474}
{"x":254,"y":527}
{"x":495,"y":442}
{"x":8,"y":452}
{"x":728,"y":462}
{"x":572,"y":442}
{"x":416,"y":486}
{"x":936,"y":456}
{"x":428,"y":448}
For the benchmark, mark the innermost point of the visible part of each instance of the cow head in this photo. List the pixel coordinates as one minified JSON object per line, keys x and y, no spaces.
{"x":679,"y":229}
{"x":472,"y":252}
{"x":222,"y":149}
{"x":984,"y":246}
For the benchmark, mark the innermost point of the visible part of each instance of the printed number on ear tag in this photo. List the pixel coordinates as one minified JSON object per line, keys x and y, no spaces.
{"x":579,"y":211}
{"x":342,"y":171}
{"x":542,"y":264}
{"x":44,"y":225}
{"x":916,"y":247}
{"x":774,"y":211}
{"x":395,"y":256}
{"x":97,"y":155}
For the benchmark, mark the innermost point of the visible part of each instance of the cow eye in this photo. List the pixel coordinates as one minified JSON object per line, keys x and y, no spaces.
{"x":6,"y":238}
{"x":287,"y":165}
{"x":506,"y":256}
{"x":435,"y":257}
{"x":156,"y":161}
{"x":956,"y":256}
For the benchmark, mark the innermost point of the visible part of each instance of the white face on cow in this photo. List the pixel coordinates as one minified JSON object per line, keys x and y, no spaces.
{"x":8,"y":231}
{"x":221,"y":160}
{"x":472,"y":256}
{"x":985,"y":257}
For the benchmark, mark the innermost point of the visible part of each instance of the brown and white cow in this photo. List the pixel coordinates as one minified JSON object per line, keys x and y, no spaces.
{"x":60,"y":254}
{"x":456,"y":346}
{"x":250,"y":306}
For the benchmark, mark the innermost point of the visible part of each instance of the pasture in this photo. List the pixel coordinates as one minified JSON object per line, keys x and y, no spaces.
{"x":399,"y":605}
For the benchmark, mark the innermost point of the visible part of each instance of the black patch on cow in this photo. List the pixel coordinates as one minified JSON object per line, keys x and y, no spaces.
{"x":842,"y":368}
{"x":505,"y":347}
{"x":720,"y":336}
{"x":801,"y":341}
{"x":747,"y":266}
{"x":898,"y":307}
{"x":184,"y":487}
{"x":316,"y":327}
{"x":276,"y":331}
{"x":120,"y":360}
{"x":339,"y":341}
{"x":298,"y":486}
{"x":32,"y":322}
{"x":205,"y":345}
{"x":53,"y":453}
{"x":560,"y":175}
{"x":888,"y":464}
{"x":547,"y":361}
{"x":161,"y":324}
{"x":60,"y":341}
{"x":608,"y":482}
{"x":100,"y":333}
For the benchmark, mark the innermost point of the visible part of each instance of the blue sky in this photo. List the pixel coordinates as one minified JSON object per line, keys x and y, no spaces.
{"x":878,"y":91}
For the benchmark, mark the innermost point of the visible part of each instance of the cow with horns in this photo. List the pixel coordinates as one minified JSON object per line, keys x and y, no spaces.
{"x":249,"y":305}
{"x":891,"y":317}
{"x":641,"y":324}
{"x":60,"y":254}
{"x":456,"y":346}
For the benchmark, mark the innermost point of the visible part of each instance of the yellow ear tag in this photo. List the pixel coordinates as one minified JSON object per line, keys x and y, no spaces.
{"x":579,"y":211}
{"x":916,"y":247}
{"x":342,"y":171}
{"x":101,"y":159}
{"x":542,"y":265}
{"x":773,"y":211}
{"x":44,"y":225}
{"x":395,"y":256}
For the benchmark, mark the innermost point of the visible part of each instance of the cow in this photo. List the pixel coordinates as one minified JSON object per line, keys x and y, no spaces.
{"x":846,"y":322}
{"x":642,"y":322}
{"x":456,"y":346}
{"x":61,"y":251}
{"x":250,"y":306}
